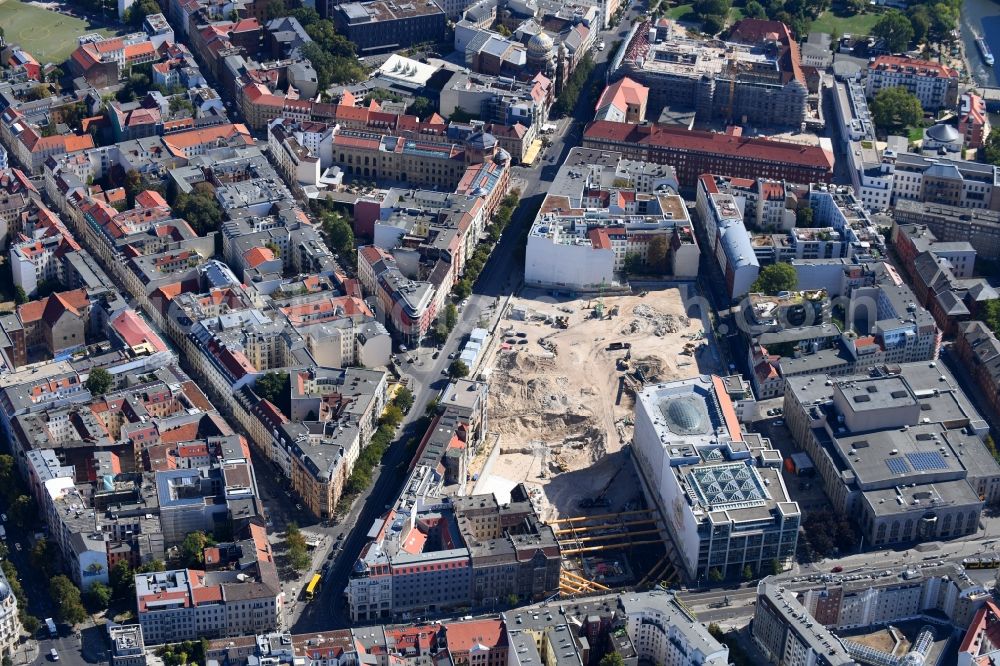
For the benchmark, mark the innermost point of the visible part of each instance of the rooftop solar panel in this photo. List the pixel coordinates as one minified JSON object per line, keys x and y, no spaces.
{"x":897,"y":465}
{"x":923,"y":462}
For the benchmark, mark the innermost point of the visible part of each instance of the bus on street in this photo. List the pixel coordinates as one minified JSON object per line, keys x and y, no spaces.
{"x":312,"y":587}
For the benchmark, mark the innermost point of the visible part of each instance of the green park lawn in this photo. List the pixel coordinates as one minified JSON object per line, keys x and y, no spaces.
{"x":47,"y":35}
{"x":681,"y":12}
{"x":858,"y":24}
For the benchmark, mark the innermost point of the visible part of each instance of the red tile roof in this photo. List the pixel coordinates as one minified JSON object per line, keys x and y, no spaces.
{"x":916,"y":66}
{"x":464,"y":636}
{"x":134,"y":330}
{"x":699,"y":141}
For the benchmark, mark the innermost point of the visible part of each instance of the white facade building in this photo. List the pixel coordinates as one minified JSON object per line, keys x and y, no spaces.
{"x":664,"y":633}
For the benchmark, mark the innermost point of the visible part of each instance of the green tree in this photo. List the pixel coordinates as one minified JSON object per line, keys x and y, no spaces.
{"x":633,"y":263}
{"x":920,"y":21}
{"x":458,"y":369}
{"x":138,"y":12}
{"x":66,"y":595}
{"x":422,"y":108}
{"x":23,"y":511}
{"x":30,"y":623}
{"x":895,"y":28}
{"x":755,"y":10}
{"x":657,"y":258}
{"x":43,"y":556}
{"x":99,"y":596}
{"x":893,"y":109}
{"x":153,"y":566}
{"x":275,"y":388}
{"x":404,"y":399}
{"x":200,"y":209}
{"x":20,"y":296}
{"x":774,"y":278}
{"x":775,"y":567}
{"x":713,"y":24}
{"x":306,"y":16}
{"x":944,"y":20}
{"x":41,"y":91}
{"x":99,"y":381}
{"x":462,"y":289}
{"x":333,"y":57}
{"x":991,"y":148}
{"x":180,"y":104}
{"x":715,"y":575}
{"x":193,"y":549}
{"x":392,"y":415}
{"x":274,"y":9}
{"x":804,"y":217}
{"x":9,"y":480}
{"x":450,"y":316}
{"x":122,"y":580}
{"x":298,"y":553}
{"x":612,"y":659}
{"x":339,"y":236}
{"x":747,"y":573}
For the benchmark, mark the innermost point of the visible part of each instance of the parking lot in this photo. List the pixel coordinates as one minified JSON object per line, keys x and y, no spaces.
{"x":806,"y":490}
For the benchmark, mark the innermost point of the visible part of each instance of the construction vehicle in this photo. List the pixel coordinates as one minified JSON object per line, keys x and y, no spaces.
{"x":618,"y":345}
{"x":562,"y":322}
{"x":622,"y":364}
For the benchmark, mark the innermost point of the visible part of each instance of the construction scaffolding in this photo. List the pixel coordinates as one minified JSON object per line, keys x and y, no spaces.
{"x":613,"y":531}
{"x":572,"y":584}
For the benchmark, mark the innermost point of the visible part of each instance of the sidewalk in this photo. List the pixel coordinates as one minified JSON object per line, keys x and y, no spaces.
{"x":26,"y":652}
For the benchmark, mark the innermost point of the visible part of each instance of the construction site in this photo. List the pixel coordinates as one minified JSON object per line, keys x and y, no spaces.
{"x":562,"y":386}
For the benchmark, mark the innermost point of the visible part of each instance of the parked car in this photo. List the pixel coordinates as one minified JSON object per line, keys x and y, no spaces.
{"x":836,"y":569}
{"x":53,"y":654}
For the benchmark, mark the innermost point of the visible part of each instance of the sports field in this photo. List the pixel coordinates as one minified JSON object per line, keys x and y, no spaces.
{"x":47,"y":35}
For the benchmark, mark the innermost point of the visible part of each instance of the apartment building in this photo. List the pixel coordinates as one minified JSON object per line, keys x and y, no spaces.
{"x":695,"y":152}
{"x":333,"y":415}
{"x":10,"y":624}
{"x":941,"y":180}
{"x":590,"y":227}
{"x":935,"y":85}
{"x":755,"y":76}
{"x":41,"y":252}
{"x":979,"y":350}
{"x":942,"y":275}
{"x":663,"y":631}
{"x":377,"y":26}
{"x":953,"y":224}
{"x":624,"y":101}
{"x":794,"y":621}
{"x":239,"y":595}
{"x":29,"y":148}
{"x":652,"y":626}
{"x":885,"y":324}
{"x":729,"y":241}
{"x":973,"y":121}
{"x":435,"y":549}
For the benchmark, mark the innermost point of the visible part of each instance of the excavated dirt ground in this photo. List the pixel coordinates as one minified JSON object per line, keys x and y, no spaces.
{"x":556,"y":400}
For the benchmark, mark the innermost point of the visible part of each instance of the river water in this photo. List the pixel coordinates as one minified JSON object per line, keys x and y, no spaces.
{"x":981,"y":17}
